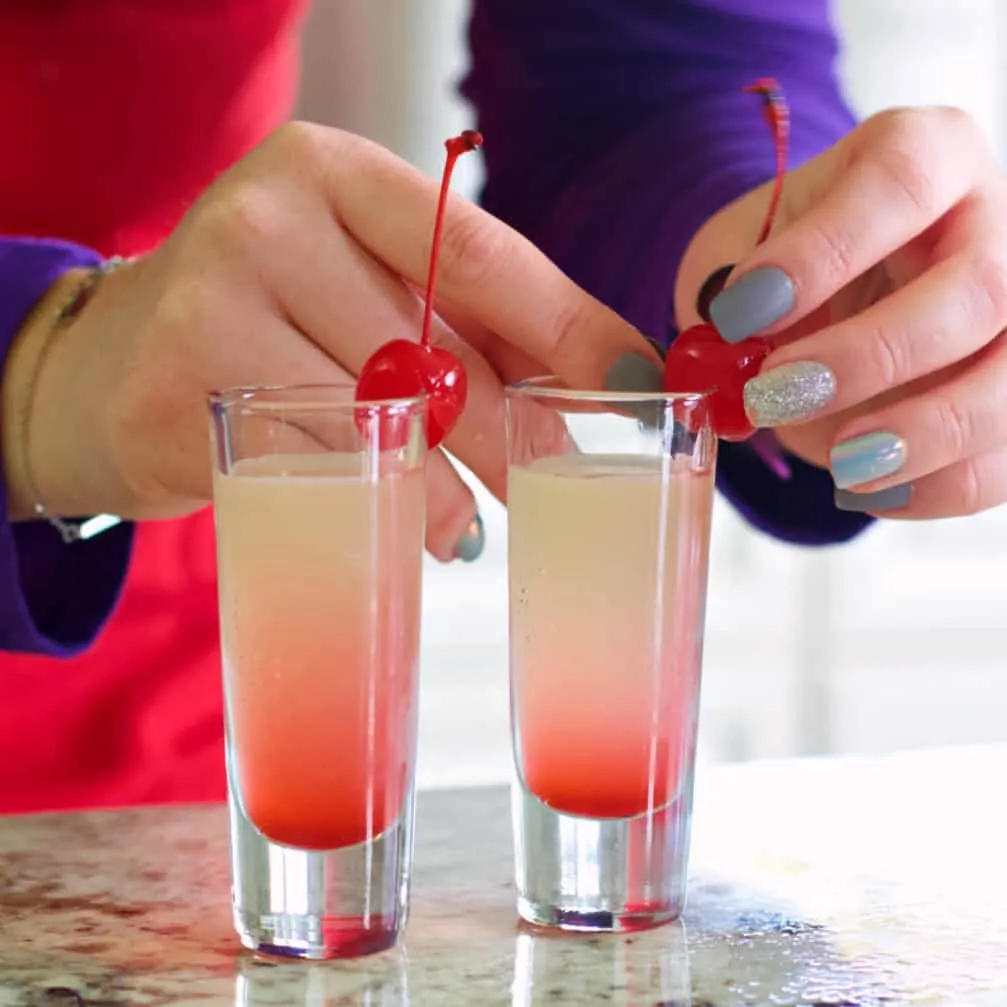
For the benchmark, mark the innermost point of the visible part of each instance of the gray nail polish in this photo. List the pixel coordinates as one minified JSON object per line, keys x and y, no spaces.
{"x":863,"y":459}
{"x":634,"y":373}
{"x":753,"y":303}
{"x":470,"y":545}
{"x":789,"y":393}
{"x":893,"y":498}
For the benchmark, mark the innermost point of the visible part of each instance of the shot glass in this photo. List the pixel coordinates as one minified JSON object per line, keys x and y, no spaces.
{"x":609,"y":499}
{"x":319,"y":504}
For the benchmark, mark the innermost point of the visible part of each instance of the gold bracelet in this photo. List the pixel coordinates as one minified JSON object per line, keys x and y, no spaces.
{"x":69,"y":531}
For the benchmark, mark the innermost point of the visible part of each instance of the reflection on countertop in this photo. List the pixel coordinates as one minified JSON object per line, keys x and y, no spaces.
{"x":838,"y":882}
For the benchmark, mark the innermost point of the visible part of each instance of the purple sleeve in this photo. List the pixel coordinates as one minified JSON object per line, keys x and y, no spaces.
{"x":616,"y":128}
{"x":54,"y":598}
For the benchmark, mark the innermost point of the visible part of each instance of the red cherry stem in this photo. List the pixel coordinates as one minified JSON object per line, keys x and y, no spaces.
{"x":778,"y":117}
{"x":456,"y":146}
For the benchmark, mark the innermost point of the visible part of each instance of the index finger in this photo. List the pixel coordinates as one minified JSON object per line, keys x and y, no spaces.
{"x":894,"y":177}
{"x":488,"y":271}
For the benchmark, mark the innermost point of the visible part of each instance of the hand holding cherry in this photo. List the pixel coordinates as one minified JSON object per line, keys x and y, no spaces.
{"x":882,"y":291}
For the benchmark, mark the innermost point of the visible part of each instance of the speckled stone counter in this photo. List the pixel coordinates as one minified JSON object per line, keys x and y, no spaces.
{"x":836,"y":882}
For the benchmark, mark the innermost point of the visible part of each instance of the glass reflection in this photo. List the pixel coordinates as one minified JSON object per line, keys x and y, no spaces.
{"x":374,"y":981}
{"x":621,"y":970}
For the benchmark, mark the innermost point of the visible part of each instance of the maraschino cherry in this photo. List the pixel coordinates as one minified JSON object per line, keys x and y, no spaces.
{"x":699,"y":359}
{"x":402,"y":368}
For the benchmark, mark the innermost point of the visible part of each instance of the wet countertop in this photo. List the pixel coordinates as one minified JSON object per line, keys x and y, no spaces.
{"x":853,"y":882}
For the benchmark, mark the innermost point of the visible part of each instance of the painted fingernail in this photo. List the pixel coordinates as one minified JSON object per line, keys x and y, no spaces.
{"x":712,"y":286}
{"x":893,"y":498}
{"x":634,"y":373}
{"x":470,"y":545}
{"x":863,"y":459}
{"x":788,"y":393}
{"x":755,"y":302}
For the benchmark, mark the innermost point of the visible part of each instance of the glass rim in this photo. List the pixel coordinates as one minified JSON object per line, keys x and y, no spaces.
{"x":539,"y":387}
{"x":266,"y":398}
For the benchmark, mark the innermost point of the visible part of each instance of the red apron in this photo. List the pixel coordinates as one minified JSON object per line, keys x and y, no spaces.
{"x":114,"y":114}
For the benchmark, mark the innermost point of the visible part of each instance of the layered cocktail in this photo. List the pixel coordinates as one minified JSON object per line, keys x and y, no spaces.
{"x":320,"y":505}
{"x":609,"y":503}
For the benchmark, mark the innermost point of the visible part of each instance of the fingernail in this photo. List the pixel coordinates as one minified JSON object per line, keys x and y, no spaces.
{"x":634,"y":373}
{"x":893,"y":498}
{"x":863,"y":459}
{"x":788,"y":393}
{"x":712,"y":286}
{"x":755,"y":302}
{"x":470,"y":546}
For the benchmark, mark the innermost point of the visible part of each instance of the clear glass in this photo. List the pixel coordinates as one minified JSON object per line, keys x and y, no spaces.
{"x":320,"y":512}
{"x":609,"y":502}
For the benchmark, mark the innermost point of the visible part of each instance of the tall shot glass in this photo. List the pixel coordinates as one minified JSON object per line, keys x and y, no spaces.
{"x":609,"y":503}
{"x":320,"y":505}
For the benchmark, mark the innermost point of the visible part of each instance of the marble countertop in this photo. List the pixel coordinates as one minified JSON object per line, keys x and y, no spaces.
{"x":845,"y":882}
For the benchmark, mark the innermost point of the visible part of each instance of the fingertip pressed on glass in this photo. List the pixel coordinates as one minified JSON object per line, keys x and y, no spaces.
{"x":609,"y":508}
{"x":319,"y":504}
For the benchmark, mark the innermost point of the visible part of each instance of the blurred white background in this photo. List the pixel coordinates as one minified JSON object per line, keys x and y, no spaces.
{"x":897,"y":640}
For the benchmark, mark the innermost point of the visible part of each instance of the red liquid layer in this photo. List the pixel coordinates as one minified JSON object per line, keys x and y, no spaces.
{"x":601,"y":784}
{"x":325,"y":766}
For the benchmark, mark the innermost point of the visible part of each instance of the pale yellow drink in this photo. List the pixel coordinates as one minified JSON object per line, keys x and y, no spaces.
{"x":608,"y":568}
{"x":320,"y":620}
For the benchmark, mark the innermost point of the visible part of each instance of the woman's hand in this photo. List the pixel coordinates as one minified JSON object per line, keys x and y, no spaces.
{"x":294,"y":267}
{"x":884,"y":286}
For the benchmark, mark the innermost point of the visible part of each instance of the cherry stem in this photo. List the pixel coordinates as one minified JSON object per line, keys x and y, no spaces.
{"x":778,"y":116}
{"x":456,"y":146}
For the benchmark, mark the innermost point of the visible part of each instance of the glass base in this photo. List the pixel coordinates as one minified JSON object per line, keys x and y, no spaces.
{"x":600,"y":875}
{"x":319,"y":905}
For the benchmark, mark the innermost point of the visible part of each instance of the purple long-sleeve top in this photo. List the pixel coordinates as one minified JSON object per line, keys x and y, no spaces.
{"x":615,"y":129}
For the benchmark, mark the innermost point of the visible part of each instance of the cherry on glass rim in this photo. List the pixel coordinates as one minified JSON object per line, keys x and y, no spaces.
{"x":699,"y":360}
{"x":703,"y":362}
{"x":402,"y":368}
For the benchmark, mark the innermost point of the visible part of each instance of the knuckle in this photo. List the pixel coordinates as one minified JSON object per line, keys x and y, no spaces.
{"x":889,"y":358}
{"x":962,"y":123}
{"x":836,"y":257}
{"x":245,"y":216}
{"x":298,"y":143}
{"x":472,"y":249}
{"x":906,"y":158}
{"x":989,"y":270}
{"x":573,"y":319}
{"x":972,"y":487}
{"x":956,"y":428}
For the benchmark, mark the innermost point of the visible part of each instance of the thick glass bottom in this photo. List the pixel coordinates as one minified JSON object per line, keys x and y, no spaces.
{"x":600,"y":875}
{"x":319,"y":905}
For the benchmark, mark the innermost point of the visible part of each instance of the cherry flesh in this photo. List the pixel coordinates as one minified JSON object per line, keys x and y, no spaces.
{"x":403,"y":369}
{"x":699,"y":359}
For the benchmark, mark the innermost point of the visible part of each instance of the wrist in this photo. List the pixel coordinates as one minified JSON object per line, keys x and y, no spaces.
{"x":57,"y":467}
{"x":23,"y":442}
